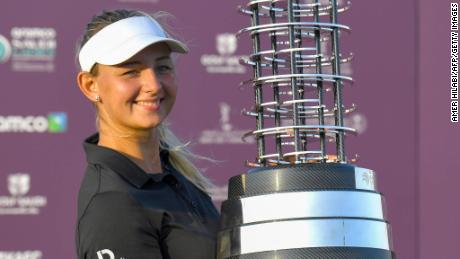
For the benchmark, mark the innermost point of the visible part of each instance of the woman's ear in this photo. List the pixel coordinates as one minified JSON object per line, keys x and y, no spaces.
{"x":88,"y":86}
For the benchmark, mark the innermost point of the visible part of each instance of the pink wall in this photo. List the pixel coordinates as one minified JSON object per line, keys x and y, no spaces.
{"x":439,"y":141}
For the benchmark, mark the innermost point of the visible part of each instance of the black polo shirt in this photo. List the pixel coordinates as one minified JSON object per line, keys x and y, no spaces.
{"x":126,"y":213}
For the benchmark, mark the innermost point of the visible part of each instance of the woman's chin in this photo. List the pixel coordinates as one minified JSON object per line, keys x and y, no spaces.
{"x":148,"y":126}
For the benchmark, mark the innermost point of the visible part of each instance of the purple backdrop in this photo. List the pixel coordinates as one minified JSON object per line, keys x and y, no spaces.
{"x":401,"y":72}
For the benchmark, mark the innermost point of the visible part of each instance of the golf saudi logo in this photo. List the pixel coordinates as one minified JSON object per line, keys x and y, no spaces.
{"x":5,"y":49}
{"x":19,"y":184}
{"x":19,"y":201}
{"x":226,"y":61}
{"x":226,"y":44}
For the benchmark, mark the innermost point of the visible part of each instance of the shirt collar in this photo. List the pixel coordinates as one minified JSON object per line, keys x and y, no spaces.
{"x":121,"y":164}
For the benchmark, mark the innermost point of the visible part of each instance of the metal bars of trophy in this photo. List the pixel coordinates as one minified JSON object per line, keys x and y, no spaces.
{"x":302,"y":198}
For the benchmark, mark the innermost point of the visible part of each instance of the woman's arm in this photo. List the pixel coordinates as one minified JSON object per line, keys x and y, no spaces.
{"x":113,"y":227}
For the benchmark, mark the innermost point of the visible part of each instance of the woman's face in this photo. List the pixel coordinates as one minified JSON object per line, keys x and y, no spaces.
{"x":139,"y":93}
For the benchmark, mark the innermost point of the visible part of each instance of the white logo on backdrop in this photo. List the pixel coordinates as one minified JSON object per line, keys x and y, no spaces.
{"x":5,"y":49}
{"x":36,"y":254}
{"x":54,"y":122}
{"x":227,"y":134}
{"x":226,"y":62}
{"x":33,"y":49}
{"x":19,"y":184}
{"x":19,"y":203}
{"x":23,"y":124}
{"x":226,"y":44}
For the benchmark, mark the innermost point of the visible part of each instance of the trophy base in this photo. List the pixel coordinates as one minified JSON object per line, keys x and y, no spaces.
{"x":321,"y":253}
{"x":309,"y":211}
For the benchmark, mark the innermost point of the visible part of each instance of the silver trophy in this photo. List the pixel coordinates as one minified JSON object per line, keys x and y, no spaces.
{"x":302,"y":198}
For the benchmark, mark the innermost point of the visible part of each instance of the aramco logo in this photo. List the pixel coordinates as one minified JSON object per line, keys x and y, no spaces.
{"x":5,"y":49}
{"x":55,"y":122}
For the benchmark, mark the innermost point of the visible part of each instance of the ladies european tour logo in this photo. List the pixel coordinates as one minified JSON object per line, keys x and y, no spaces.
{"x":5,"y":49}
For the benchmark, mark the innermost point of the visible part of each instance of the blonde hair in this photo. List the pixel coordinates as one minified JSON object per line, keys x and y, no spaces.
{"x":180,"y":156}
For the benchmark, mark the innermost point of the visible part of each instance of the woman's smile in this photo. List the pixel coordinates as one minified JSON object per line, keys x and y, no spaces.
{"x":149,"y":105}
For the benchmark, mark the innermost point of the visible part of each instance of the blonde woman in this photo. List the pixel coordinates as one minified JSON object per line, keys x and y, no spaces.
{"x":141,"y":197}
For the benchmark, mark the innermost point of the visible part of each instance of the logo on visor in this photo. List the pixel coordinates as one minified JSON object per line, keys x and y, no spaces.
{"x":5,"y":49}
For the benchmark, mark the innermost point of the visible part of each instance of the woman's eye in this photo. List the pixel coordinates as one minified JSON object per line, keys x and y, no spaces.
{"x":163,"y":69}
{"x":131,"y":73}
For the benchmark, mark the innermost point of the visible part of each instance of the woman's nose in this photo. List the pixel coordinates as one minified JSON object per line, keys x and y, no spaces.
{"x":151,"y":80}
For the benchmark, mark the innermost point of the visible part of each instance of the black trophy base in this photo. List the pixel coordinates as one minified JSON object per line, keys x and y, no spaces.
{"x":321,"y":253}
{"x":308,"y":211}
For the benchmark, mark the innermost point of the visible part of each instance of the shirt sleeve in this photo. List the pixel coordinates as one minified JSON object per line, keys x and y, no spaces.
{"x":114,"y":226}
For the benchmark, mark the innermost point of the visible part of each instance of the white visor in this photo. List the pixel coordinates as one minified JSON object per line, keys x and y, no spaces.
{"x":121,"y":40}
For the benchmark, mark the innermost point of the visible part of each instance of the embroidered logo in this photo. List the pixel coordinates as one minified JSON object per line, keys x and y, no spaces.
{"x":101,"y":253}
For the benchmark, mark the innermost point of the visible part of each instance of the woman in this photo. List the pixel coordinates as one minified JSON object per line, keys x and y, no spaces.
{"x":141,"y":197}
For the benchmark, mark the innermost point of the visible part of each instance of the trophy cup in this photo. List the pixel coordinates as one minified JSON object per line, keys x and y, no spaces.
{"x":302,"y":197}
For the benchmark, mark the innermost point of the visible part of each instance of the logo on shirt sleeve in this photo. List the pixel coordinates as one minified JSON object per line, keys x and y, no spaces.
{"x":101,"y":253}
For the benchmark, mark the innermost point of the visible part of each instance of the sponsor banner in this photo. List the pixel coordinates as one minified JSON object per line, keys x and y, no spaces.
{"x":30,"y":49}
{"x":225,"y":62}
{"x":32,"y":254}
{"x":18,"y":202}
{"x":54,"y":122}
{"x":227,"y":133}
